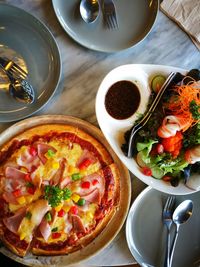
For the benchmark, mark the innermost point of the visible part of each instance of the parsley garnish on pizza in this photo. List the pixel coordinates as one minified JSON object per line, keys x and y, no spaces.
{"x":59,"y":187}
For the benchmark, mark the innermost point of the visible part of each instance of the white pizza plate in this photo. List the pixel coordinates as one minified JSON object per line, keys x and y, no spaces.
{"x":114,"y":129}
{"x":117,"y":221}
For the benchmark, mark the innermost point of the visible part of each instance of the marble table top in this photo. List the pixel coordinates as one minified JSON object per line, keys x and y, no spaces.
{"x":83,"y":71}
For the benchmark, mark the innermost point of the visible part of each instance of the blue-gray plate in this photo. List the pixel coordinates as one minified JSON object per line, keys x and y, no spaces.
{"x":146,"y":235}
{"x":135,"y":20}
{"x":29,"y":43}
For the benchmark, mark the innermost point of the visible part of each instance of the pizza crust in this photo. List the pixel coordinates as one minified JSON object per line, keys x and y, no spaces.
{"x":18,"y":251}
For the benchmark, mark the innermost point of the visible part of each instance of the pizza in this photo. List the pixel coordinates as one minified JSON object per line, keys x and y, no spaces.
{"x":59,"y":188}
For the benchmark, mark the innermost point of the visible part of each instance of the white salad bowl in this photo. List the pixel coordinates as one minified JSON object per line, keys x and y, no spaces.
{"x":114,"y":129}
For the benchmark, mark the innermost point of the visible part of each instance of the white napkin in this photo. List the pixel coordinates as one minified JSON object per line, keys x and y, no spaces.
{"x":186,"y":13}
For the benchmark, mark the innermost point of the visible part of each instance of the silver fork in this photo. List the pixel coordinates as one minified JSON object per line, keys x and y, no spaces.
{"x":109,"y":14}
{"x":13,"y":69}
{"x":167,"y":221}
{"x":174,"y":77}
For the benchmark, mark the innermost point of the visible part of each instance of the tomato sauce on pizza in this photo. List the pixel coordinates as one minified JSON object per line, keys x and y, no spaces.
{"x":59,"y":187}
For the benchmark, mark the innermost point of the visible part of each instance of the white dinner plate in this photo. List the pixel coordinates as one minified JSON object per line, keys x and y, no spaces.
{"x":146,"y":234}
{"x":135,"y":20}
{"x":114,"y":129}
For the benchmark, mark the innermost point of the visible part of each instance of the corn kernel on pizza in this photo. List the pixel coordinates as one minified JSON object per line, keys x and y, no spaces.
{"x":59,"y":187}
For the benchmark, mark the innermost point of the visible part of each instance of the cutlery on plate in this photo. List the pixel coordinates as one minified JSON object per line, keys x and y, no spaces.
{"x":174,"y":77}
{"x":167,"y":221}
{"x":21,"y":90}
{"x":12,"y":68}
{"x":19,"y":87}
{"x":109,"y":14}
{"x":181,"y":215}
{"x":89,"y":10}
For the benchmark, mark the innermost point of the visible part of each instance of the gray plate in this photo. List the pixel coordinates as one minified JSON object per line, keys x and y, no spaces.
{"x":28,"y":42}
{"x":146,"y":234}
{"x":135,"y":20}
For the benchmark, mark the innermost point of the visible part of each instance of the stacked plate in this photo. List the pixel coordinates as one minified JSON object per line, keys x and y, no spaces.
{"x":146,"y":236}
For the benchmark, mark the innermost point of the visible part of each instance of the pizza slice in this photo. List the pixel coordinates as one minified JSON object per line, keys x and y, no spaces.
{"x":17,"y":230}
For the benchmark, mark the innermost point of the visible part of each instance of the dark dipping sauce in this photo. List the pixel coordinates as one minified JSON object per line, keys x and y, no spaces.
{"x":122,"y":100}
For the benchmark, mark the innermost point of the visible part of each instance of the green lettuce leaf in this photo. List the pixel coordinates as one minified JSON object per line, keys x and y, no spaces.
{"x":160,"y":164}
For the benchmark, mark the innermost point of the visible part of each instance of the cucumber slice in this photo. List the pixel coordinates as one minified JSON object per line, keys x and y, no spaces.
{"x":157,"y":172}
{"x":139,"y":159}
{"x":157,"y":82}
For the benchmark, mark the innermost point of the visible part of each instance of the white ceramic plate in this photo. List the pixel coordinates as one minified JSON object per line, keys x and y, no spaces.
{"x":146,"y":234}
{"x":114,"y":129}
{"x":135,"y":20}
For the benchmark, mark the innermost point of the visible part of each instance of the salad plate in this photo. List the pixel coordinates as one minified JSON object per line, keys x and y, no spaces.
{"x":146,"y":234}
{"x":30,"y":44}
{"x":133,"y":28}
{"x":114,"y":129}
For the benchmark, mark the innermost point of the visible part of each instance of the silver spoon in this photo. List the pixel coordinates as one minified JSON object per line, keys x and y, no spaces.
{"x":21,"y":90}
{"x":89,"y":10}
{"x":181,"y":214}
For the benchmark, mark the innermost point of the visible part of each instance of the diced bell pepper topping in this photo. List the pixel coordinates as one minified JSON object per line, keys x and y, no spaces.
{"x":28,"y":215}
{"x":21,"y":200}
{"x":17,"y":193}
{"x":81,"y":202}
{"x":31,"y":190}
{"x":48,"y":217}
{"x":28,"y":177}
{"x":55,"y":229}
{"x":33,"y":151}
{"x":76,"y":176}
{"x":61,"y":213}
{"x":85,"y":163}
{"x":75,"y":197}
{"x":55,"y":165}
{"x":50,"y":153}
{"x":95,"y":181}
{"x":85,"y":185}
{"x":56,"y":235}
{"x":73,"y":210}
{"x":59,"y":207}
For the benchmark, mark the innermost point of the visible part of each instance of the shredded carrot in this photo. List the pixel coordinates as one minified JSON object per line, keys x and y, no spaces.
{"x":179,"y":103}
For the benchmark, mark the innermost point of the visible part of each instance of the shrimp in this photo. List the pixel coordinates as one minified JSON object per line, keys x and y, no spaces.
{"x":171,"y":124}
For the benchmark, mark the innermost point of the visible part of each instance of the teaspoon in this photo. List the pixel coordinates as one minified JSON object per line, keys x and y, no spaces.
{"x":181,"y":214}
{"x":89,"y":10}
{"x":21,"y":90}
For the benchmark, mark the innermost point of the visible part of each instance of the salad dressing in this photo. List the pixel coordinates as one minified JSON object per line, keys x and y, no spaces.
{"x":122,"y":99}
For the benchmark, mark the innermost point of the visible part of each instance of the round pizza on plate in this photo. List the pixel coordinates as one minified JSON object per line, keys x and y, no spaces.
{"x":59,"y":187}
